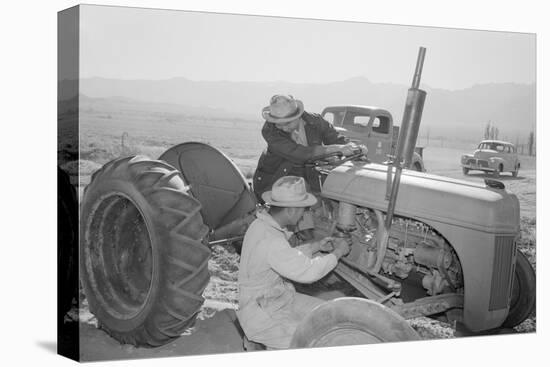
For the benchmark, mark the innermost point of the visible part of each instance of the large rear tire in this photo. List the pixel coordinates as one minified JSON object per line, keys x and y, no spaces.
{"x":523,"y":292}
{"x":144,"y":265}
{"x":351,"y":321}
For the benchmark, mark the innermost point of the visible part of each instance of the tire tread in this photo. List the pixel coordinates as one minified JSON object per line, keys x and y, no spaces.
{"x":178,"y":298}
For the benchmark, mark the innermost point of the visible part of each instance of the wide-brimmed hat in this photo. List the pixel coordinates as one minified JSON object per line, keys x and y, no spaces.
{"x":289,"y":191}
{"x":282,"y":109}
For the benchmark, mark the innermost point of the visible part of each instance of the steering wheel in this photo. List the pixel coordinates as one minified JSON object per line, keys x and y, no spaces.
{"x":334,"y":159}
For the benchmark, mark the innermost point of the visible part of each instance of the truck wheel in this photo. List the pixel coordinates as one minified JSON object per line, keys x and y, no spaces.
{"x":351,"y":321}
{"x":67,"y":244}
{"x":465,"y":170}
{"x":143,"y":263}
{"x":523,"y":292}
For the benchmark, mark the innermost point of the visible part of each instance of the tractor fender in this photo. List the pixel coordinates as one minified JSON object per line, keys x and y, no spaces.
{"x":215,"y":181}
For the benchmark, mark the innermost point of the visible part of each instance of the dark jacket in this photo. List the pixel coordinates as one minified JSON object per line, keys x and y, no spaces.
{"x":284,"y":157}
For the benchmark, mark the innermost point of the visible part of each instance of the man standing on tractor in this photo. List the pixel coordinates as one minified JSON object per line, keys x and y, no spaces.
{"x":294,"y":137}
{"x":269,"y":306}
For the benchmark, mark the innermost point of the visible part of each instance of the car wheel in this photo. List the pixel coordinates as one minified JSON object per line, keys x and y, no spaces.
{"x":465,"y":170}
{"x":515,"y":172}
{"x":496,"y":172}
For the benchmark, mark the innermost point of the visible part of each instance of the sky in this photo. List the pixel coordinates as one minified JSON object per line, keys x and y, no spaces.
{"x":136,"y":43}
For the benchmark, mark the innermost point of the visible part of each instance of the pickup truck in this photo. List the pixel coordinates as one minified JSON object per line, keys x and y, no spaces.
{"x":373,"y":127}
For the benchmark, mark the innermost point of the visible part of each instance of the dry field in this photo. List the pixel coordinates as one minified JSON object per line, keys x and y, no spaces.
{"x":110,"y":130}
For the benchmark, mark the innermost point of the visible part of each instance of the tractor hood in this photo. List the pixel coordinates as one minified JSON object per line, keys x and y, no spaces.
{"x":425,"y":196}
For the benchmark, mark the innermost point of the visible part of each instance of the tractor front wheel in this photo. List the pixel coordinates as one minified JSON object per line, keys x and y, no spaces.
{"x":523,"y":292}
{"x":351,"y":321}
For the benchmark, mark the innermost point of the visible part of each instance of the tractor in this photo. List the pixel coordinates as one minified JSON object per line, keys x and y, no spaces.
{"x":421,"y":244}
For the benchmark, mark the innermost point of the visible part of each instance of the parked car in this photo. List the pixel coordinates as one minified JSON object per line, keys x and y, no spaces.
{"x":493,"y":156}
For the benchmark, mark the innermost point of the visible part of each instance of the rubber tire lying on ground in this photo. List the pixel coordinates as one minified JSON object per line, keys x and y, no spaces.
{"x":524,"y":288}
{"x":351,"y":321}
{"x":144,"y":264}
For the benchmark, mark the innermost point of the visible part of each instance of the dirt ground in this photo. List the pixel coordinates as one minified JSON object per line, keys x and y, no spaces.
{"x":216,"y":329}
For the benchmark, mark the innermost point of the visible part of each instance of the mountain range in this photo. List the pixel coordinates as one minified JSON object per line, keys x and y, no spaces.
{"x":460,"y":113}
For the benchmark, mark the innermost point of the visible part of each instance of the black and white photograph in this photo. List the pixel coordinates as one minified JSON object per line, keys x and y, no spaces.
{"x":249,"y":184}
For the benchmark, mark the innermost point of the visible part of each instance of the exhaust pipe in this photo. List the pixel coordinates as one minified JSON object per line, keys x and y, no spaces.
{"x":412,"y":115}
{"x":404,"y":152}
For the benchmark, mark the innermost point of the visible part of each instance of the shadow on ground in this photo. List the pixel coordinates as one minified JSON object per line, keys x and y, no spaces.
{"x":49,"y":346}
{"x":215,"y":335}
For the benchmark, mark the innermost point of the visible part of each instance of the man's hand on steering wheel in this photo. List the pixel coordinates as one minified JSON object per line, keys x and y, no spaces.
{"x":345,"y":149}
{"x":352,"y":148}
{"x":348,"y":149}
{"x":337,"y":154}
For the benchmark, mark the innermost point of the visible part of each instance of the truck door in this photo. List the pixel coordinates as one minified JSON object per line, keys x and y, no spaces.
{"x":373,"y":131}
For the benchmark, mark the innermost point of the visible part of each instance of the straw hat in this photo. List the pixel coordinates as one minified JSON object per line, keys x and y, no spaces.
{"x":289,"y":191}
{"x":282,"y":109}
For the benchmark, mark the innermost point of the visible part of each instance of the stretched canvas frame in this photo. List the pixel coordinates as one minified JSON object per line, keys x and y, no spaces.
{"x":76,"y":113}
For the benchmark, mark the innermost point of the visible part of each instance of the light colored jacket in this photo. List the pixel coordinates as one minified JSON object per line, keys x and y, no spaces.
{"x":267,"y":300}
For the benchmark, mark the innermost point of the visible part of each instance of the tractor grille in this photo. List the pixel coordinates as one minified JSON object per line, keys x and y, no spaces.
{"x":502,"y":272}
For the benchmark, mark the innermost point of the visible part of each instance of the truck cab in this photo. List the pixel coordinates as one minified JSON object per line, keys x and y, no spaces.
{"x":371,"y":126}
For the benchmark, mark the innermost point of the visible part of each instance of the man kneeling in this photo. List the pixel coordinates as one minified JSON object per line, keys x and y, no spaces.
{"x":269,"y":306}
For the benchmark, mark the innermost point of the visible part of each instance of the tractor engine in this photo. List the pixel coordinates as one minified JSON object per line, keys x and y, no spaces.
{"x":413,"y":247}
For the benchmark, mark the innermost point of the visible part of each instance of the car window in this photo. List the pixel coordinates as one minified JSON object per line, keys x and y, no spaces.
{"x":329,"y":116}
{"x":334,"y":118}
{"x":348,"y":119}
{"x":361,"y":120}
{"x":381,"y":125}
{"x":499,"y":148}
